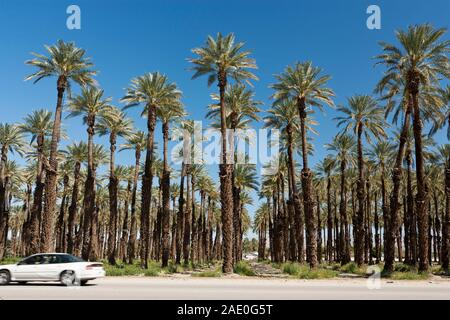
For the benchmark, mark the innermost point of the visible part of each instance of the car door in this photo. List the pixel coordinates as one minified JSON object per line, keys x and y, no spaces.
{"x":49,"y":267}
{"x":27,"y":268}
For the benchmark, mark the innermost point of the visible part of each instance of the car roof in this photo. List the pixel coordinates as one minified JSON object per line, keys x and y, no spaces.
{"x":54,"y":253}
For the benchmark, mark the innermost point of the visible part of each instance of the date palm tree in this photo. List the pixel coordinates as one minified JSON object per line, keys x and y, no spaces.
{"x":68,"y":64}
{"x":153,"y":90}
{"x":220,"y":59}
{"x":343,"y":145}
{"x":11,"y":141}
{"x":137,"y":142}
{"x":167,"y":114}
{"x":38,"y":125}
{"x":114,"y":123}
{"x":364,"y":117}
{"x":90,"y":104}
{"x":76,"y":155}
{"x":422,"y":58}
{"x":306,"y":85}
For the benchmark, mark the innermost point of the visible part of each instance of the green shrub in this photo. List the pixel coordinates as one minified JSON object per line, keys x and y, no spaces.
{"x":209,"y":274}
{"x":243,"y":268}
{"x":411,"y":275}
{"x":350,"y":267}
{"x":303,"y":271}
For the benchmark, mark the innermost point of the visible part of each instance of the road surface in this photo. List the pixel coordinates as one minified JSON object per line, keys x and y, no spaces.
{"x":229,"y":288}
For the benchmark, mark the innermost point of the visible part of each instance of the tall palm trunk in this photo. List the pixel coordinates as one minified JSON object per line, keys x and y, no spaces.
{"x":422,"y":196}
{"x":125,"y":229}
{"x":180,"y":216}
{"x":446,"y":221}
{"x":329,"y":222}
{"x":73,"y":208}
{"x":392,"y":226}
{"x":165,"y":200}
{"x":187,"y":219}
{"x":226,"y":187}
{"x":48,"y":217}
{"x":147,"y":181}
{"x":359,"y":232}
{"x":344,"y":255}
{"x":4,"y":215}
{"x":308,"y":205}
{"x":62,"y":213}
{"x":132,"y":239}
{"x":36,"y":209}
{"x":113,"y":210}
{"x":89,"y":191}
{"x":295,"y":197}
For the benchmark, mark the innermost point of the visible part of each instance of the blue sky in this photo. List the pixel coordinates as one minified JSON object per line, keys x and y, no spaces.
{"x":128,"y":38}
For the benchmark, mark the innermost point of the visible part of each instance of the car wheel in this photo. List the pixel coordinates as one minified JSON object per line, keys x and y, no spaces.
{"x":67,"y":278}
{"x":5,"y":277}
{"x":83,"y":282}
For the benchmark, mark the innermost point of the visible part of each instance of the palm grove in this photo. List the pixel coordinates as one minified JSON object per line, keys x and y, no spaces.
{"x":381,"y":194}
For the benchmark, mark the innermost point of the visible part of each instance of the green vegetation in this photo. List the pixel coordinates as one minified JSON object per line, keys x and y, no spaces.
{"x":244,"y":269}
{"x":302,"y":271}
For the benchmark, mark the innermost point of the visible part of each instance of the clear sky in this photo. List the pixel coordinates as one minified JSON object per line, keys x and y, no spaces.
{"x":128,"y":38}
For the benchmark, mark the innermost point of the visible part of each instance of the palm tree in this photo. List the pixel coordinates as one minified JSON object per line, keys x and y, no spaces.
{"x":89,"y":104}
{"x":68,"y":64}
{"x":284,"y":116}
{"x":325,"y":169}
{"x":76,"y":154}
{"x":154,"y":91}
{"x":365,"y":117}
{"x":167,"y":113}
{"x":136,"y":142}
{"x":422,"y":59}
{"x":11,"y":140}
{"x":221,"y":58}
{"x":304,"y":84}
{"x":38,"y":125}
{"x":240,"y":110}
{"x":343,"y":145}
{"x":115,"y":123}
{"x":245,"y":179}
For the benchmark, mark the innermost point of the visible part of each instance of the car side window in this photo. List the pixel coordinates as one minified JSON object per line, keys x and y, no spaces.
{"x":31,"y":260}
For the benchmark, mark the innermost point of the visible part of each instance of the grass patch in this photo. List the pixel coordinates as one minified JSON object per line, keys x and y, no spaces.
{"x":408,"y":275}
{"x":302,"y":271}
{"x":243,"y":268}
{"x":10,"y":260}
{"x":209,"y":274}
{"x":353,"y":268}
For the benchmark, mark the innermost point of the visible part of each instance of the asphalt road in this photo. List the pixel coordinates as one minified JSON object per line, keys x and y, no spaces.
{"x":228,"y":288}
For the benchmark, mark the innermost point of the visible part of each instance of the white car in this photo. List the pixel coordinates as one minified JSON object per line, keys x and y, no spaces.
{"x":67,"y":269}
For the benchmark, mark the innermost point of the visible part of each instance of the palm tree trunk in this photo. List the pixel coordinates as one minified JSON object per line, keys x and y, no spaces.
{"x":392,"y":227}
{"x":62,"y":212}
{"x":329,"y":222}
{"x":187,"y":219}
{"x":421,"y":197}
{"x":180,"y":216}
{"x":132,"y":239}
{"x":308,"y":205}
{"x":445,"y":249}
{"x":165,"y":200}
{"x":359,"y":223}
{"x":113,"y":213}
{"x":226,"y":187}
{"x":73,"y":209}
{"x":147,"y":181}
{"x":295,"y":197}
{"x":48,"y":217}
{"x":36,"y":209}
